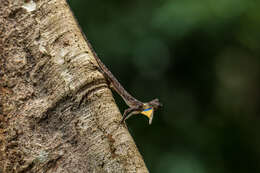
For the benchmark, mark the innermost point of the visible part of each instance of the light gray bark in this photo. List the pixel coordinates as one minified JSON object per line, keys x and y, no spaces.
{"x":57,"y":113}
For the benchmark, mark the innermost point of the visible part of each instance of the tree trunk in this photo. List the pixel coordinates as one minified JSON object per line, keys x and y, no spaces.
{"x":57,"y":113}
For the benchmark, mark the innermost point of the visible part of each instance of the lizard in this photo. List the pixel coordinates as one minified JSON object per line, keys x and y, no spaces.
{"x":135,"y":106}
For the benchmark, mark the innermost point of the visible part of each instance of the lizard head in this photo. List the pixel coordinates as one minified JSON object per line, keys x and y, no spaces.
{"x":150,"y":107}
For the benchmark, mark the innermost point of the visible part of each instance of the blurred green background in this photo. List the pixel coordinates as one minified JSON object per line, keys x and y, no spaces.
{"x":201,"y":59}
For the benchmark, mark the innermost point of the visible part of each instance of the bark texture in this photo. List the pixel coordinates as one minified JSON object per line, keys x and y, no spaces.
{"x":56,"y":111}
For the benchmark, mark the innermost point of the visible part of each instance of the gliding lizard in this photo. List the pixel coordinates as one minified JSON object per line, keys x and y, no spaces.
{"x":135,"y":106}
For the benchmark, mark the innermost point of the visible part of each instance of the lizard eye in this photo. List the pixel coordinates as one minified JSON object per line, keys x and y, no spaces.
{"x":155,"y":104}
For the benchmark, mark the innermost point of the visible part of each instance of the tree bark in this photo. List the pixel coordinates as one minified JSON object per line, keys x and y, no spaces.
{"x":57,"y":113}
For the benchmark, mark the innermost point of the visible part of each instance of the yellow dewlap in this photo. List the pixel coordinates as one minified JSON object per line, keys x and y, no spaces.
{"x":148,"y":112}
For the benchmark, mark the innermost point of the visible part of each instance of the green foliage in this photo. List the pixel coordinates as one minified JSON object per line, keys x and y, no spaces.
{"x":201,"y":59}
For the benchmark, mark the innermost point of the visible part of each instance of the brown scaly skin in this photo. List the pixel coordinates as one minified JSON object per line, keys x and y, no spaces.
{"x":155,"y":104}
{"x":135,"y":106}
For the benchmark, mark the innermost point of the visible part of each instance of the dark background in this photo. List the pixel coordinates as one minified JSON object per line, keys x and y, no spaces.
{"x":201,"y":59}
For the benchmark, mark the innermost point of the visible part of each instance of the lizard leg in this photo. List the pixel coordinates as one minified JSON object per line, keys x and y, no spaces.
{"x":129,"y":112}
